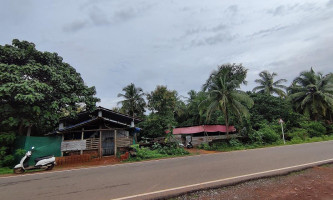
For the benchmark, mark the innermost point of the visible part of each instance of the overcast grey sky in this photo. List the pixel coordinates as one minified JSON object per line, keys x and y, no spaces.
{"x":173,"y":42}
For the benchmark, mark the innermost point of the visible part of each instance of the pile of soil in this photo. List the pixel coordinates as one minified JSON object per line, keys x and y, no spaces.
{"x":313,"y":183}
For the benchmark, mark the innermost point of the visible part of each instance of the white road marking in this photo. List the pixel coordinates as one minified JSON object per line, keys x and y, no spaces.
{"x":226,"y":179}
{"x":155,"y":160}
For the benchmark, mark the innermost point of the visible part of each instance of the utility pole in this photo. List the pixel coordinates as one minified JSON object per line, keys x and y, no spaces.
{"x":281,"y":122}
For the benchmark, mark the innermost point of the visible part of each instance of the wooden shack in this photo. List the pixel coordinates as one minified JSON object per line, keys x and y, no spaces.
{"x":101,"y":132}
{"x":203,"y":134}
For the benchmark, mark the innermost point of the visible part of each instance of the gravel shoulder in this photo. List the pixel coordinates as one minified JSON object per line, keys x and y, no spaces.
{"x":313,"y":183}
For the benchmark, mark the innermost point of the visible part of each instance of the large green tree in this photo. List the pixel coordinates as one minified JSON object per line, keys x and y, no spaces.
{"x":162,"y":100}
{"x":224,"y":93}
{"x":312,"y":94}
{"x":133,"y":103}
{"x":268,"y":109}
{"x":268,"y":86}
{"x":37,"y":88}
{"x":164,"y":104}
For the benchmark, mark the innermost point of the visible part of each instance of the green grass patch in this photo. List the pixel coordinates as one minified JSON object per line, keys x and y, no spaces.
{"x":6,"y":170}
{"x":234,"y":144}
{"x":157,"y":151}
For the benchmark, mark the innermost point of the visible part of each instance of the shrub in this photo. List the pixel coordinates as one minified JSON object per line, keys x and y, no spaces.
{"x":256,"y":137}
{"x":268,"y":134}
{"x":204,"y":146}
{"x":8,"y":160}
{"x":329,"y":129}
{"x":158,"y":151}
{"x":296,"y":140}
{"x":219,"y":146}
{"x":298,"y":132}
{"x":235,"y":143}
{"x":314,"y":128}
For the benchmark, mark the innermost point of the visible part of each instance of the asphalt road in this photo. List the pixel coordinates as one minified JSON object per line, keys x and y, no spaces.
{"x":153,"y":179}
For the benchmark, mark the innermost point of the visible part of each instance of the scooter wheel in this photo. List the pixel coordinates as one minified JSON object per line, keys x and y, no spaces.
{"x":18,"y":170}
{"x":50,"y":167}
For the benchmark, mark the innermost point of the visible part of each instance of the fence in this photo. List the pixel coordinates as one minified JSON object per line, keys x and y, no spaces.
{"x":73,"y":159}
{"x":44,"y":146}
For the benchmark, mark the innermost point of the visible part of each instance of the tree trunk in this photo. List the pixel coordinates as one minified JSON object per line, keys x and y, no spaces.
{"x":29,"y":131}
{"x":20,"y":130}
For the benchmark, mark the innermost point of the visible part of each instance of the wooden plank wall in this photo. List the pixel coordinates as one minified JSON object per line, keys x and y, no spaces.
{"x":124,"y":142}
{"x":92,"y":143}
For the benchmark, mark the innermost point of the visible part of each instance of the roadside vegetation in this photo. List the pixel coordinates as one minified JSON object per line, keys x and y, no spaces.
{"x":37,"y":88}
{"x":157,"y":151}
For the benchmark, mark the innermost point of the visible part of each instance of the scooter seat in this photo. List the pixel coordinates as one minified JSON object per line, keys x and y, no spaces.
{"x":42,"y":158}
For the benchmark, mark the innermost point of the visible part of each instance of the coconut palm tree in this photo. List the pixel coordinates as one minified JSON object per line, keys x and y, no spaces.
{"x":133,"y":103}
{"x":312,"y":94}
{"x":224,"y":94}
{"x":268,"y":86}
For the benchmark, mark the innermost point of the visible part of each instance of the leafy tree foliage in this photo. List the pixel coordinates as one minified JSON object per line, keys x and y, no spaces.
{"x":312,"y":94}
{"x":268,"y":86}
{"x":224,"y":94}
{"x":37,"y":88}
{"x":133,"y":103}
{"x":270,"y":109}
{"x":156,"y":124}
{"x":162,"y":100}
{"x":193,"y":115}
{"x":165,"y":105}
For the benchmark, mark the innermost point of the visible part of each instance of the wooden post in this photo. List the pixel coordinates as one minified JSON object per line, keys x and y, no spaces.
{"x":100,"y":142}
{"x":82,"y":136}
{"x":115,"y":142}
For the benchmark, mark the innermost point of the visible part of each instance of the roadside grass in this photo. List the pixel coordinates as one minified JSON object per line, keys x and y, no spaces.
{"x":5,"y":170}
{"x":157,"y":152}
{"x":233,"y":146}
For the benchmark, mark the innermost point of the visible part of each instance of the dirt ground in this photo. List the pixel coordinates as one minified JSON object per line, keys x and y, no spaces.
{"x":313,"y":183}
{"x":94,"y":162}
{"x":200,"y":151}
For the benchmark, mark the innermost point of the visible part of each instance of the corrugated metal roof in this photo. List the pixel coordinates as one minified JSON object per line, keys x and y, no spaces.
{"x":202,"y":128}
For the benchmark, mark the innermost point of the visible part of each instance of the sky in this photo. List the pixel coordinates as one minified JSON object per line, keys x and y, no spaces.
{"x":176,"y":43}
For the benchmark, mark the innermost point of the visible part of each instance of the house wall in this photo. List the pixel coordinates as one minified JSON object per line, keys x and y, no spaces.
{"x":90,"y":143}
{"x":197,"y":140}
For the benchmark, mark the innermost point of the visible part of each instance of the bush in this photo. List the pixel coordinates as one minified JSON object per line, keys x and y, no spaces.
{"x":158,"y":151}
{"x":329,"y":129}
{"x":6,"y":141}
{"x":298,"y":133}
{"x":268,"y":134}
{"x":205,"y":146}
{"x":296,"y":140}
{"x":314,"y":128}
{"x":235,"y":143}
{"x":256,"y":137}
{"x":8,"y":160}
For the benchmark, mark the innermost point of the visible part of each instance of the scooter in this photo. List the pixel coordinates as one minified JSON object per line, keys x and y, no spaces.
{"x":189,"y":145}
{"x":46,"y":162}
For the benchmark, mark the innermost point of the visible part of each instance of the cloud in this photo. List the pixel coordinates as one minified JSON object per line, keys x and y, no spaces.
{"x":329,"y":3}
{"x":75,"y":26}
{"x":125,"y":14}
{"x":98,"y":17}
{"x":233,"y":9}
{"x":219,"y":27}
{"x":280,"y":10}
{"x":213,"y":40}
{"x":266,"y":32}
{"x":288,"y":9}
